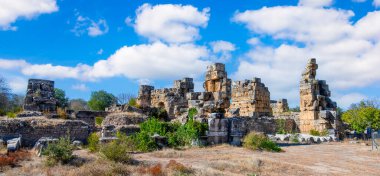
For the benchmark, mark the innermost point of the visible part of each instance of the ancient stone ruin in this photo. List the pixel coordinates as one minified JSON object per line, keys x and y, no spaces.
{"x":231,"y":110}
{"x":40,"y":96}
{"x":170,"y":99}
{"x":318,"y":111}
{"x":250,"y":98}
{"x":279,"y":107}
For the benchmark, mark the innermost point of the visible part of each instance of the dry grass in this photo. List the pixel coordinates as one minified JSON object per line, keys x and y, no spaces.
{"x":13,"y":158}
{"x":323,"y":159}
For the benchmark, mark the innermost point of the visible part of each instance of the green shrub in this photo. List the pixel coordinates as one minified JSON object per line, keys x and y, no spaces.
{"x":11,"y":115}
{"x":99,"y":120}
{"x":60,"y":151}
{"x":191,"y":113}
{"x":186,"y":133}
{"x":143,"y":140}
{"x":314,"y":132}
{"x":132,"y":102}
{"x":280,"y":126}
{"x":257,"y":141}
{"x":325,"y":132}
{"x":115,"y":152}
{"x":93,"y":142}
{"x":118,"y":150}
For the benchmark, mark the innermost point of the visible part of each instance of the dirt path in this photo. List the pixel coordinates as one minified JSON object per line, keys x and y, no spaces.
{"x":322,"y":159}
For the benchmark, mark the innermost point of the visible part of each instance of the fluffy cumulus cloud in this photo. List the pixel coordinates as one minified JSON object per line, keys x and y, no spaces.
{"x":347,"y":51}
{"x":140,"y":62}
{"x":86,"y":25}
{"x":10,"y":10}
{"x":171,"y":54}
{"x":315,"y":3}
{"x":170,"y":23}
{"x":222,"y":50}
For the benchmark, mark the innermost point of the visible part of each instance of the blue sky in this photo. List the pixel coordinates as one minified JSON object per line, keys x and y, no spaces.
{"x":88,"y":45}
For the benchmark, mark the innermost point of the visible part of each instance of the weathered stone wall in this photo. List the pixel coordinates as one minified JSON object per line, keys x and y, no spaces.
{"x":217,"y":82}
{"x":144,"y":96}
{"x":279,"y":107}
{"x":32,"y":129}
{"x":171,"y":99}
{"x":217,"y":95}
{"x":40,"y":96}
{"x":89,"y":116}
{"x":250,"y":98}
{"x":317,"y":109}
{"x":232,"y":130}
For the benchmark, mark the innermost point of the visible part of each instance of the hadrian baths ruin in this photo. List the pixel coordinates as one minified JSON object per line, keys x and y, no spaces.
{"x":231,"y":108}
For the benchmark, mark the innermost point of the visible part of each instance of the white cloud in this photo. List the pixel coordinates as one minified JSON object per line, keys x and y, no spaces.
{"x":376,"y":3}
{"x":170,"y":23}
{"x":346,"y":100}
{"x":298,"y":23}
{"x":11,"y":10}
{"x":80,"y":87}
{"x":315,"y":3}
{"x":254,"y":41}
{"x":152,"y":61}
{"x":222,"y":50}
{"x":12,"y":64}
{"x":140,"y":62}
{"x":17,"y":84}
{"x":347,"y":52}
{"x":85,"y":25}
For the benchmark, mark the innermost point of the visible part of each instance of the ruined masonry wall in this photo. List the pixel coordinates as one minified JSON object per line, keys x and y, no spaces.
{"x":171,"y":99}
{"x":40,"y":96}
{"x":32,"y":129}
{"x":251,"y":98}
{"x":318,"y":111}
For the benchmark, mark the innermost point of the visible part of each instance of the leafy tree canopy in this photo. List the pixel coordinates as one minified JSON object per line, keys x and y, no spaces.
{"x":100,"y":100}
{"x":362,"y":115}
{"x":60,"y":96}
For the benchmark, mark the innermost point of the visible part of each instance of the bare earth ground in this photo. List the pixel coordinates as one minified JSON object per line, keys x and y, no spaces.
{"x":322,"y":159}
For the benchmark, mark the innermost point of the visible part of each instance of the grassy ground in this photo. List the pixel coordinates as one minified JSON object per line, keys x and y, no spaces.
{"x":322,"y":159}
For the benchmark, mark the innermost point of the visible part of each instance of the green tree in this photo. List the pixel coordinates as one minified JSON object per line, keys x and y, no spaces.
{"x":100,"y":100}
{"x":60,"y":96}
{"x":362,"y":115}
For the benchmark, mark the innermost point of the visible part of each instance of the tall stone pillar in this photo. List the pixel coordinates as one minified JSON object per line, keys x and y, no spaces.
{"x":318,"y":112}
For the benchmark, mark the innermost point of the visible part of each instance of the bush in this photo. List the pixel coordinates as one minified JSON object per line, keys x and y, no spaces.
{"x":192,"y":112}
{"x":132,"y":102}
{"x":61,"y":113}
{"x":325,"y":133}
{"x":280,"y":126}
{"x":11,"y":115}
{"x":13,"y":158}
{"x":60,"y":151}
{"x":178,"y":168}
{"x":118,"y":150}
{"x":143,"y":139}
{"x":93,"y":142}
{"x":190,"y":131}
{"x":257,"y":141}
{"x":314,"y":132}
{"x":99,"y":120}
